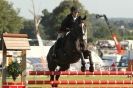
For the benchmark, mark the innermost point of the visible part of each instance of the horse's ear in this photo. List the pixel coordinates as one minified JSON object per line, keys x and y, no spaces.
{"x":84,"y":18}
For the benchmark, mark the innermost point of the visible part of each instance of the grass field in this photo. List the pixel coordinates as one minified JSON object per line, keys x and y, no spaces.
{"x":74,"y":77}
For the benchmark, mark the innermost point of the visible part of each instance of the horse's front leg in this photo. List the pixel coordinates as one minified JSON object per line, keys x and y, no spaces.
{"x":91,"y":69}
{"x":83,"y":68}
{"x":52,"y":66}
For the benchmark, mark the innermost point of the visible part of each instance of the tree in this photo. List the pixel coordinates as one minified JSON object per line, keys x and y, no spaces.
{"x":9,"y":19}
{"x":52,"y":21}
{"x":28,"y":29}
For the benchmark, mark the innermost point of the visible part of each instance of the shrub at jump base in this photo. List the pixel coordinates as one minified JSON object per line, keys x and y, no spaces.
{"x":14,"y":70}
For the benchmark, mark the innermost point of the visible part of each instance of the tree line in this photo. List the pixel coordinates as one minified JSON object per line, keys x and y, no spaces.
{"x":11,"y":22}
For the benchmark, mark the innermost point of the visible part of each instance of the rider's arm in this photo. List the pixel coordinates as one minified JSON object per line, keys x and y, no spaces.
{"x":64,"y":24}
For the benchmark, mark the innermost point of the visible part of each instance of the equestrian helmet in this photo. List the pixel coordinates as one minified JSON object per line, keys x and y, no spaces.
{"x":74,"y":9}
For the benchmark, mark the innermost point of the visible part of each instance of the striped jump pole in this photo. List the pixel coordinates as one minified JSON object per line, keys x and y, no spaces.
{"x":13,"y":85}
{"x":80,"y":82}
{"x":81,"y":73}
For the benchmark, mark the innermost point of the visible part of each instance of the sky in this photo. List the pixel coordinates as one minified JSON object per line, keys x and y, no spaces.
{"x":111,"y":8}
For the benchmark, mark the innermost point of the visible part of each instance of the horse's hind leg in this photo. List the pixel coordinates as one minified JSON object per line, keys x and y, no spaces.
{"x":62,"y":68}
{"x":57,"y":76}
{"x":52,"y":66}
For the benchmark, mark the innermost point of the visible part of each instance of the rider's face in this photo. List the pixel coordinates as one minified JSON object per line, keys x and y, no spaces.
{"x":75,"y":14}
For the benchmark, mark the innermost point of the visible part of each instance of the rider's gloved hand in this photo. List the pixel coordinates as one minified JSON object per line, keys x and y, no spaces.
{"x":67,"y":29}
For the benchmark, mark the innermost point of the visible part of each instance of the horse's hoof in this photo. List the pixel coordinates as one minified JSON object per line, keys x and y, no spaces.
{"x":91,"y":69}
{"x":83,"y":68}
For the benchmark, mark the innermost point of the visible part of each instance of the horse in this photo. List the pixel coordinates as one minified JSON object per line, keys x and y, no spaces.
{"x":74,"y":49}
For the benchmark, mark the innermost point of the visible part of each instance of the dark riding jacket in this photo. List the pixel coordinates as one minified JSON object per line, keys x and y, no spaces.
{"x":68,"y":23}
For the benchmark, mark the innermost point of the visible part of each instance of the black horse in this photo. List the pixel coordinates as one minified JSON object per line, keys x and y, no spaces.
{"x":74,"y":49}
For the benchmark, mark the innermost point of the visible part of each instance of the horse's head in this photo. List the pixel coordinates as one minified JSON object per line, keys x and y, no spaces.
{"x":82,"y":25}
{"x":79,"y":28}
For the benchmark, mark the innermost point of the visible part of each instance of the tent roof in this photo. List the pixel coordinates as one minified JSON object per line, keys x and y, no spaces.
{"x":16,"y":41}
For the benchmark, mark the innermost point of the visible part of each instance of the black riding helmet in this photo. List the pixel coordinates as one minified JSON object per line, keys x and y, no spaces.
{"x":74,"y":9}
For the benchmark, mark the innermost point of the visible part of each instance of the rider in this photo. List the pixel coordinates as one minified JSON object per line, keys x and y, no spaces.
{"x":67,"y":24}
{"x":69,"y":21}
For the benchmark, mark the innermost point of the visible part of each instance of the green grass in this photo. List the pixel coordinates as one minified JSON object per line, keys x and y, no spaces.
{"x":74,"y":77}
